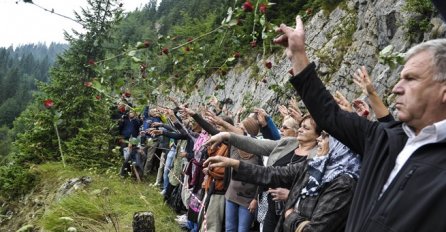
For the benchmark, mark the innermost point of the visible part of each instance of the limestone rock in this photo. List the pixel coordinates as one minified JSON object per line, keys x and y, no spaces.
{"x":72,"y":185}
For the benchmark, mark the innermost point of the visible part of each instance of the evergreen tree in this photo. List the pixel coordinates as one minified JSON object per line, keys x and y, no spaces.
{"x":84,"y":122}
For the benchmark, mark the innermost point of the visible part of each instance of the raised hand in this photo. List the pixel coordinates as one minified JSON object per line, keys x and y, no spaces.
{"x":187,"y":111}
{"x":362,"y":80}
{"x":283,"y":111}
{"x":343,"y":102}
{"x":221,"y":161}
{"x":216,"y":139}
{"x":296,"y":114}
{"x":261,"y":116}
{"x":156,"y":132}
{"x":156,"y":124}
{"x":279,"y":194}
{"x":293,"y":39}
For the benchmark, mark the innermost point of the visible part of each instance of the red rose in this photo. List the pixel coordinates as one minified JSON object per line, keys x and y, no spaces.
{"x":88,"y":84}
{"x":247,"y":6}
{"x":165,"y":51}
{"x":121,"y":109}
{"x":187,"y":49}
{"x":253,"y":43}
{"x":291,"y":72}
{"x":91,"y":62}
{"x":237,"y":55}
{"x":48,"y":103}
{"x":127,"y":94}
{"x":268,"y":65}
{"x":98,"y":97}
{"x":262,"y":8}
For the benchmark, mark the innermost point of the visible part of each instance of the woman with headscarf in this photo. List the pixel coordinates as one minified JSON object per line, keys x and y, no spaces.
{"x":321,"y":188}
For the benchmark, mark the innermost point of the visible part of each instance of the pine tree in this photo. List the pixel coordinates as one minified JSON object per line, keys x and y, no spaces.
{"x":84,"y":123}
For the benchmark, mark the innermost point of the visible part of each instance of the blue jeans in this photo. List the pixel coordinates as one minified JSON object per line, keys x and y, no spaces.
{"x":238,"y":218}
{"x":167,"y":166}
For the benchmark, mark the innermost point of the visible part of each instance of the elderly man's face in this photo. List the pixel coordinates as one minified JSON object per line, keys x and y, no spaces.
{"x":418,"y":95}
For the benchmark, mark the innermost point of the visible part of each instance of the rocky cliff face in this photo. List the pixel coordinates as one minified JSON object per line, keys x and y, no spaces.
{"x":339,"y":42}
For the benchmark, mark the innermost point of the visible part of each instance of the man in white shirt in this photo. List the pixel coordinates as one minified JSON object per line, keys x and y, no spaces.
{"x":402,"y":186}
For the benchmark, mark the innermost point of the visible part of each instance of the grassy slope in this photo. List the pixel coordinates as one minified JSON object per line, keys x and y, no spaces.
{"x":107,"y":204}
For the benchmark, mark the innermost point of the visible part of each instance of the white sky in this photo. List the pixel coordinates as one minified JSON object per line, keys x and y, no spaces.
{"x":24,"y":23}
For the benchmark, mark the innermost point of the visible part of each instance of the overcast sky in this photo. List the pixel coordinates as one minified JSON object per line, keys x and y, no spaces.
{"x":24,"y":23}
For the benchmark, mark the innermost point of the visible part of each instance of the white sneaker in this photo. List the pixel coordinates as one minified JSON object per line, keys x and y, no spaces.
{"x":163,"y":192}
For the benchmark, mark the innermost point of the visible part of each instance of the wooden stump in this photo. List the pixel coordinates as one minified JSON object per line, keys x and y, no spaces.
{"x":143,"y":222}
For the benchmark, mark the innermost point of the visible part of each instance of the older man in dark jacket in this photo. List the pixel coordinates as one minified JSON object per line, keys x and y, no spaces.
{"x":402,"y":185}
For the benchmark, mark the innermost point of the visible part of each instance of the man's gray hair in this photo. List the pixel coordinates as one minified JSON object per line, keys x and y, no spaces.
{"x":437,"y":48}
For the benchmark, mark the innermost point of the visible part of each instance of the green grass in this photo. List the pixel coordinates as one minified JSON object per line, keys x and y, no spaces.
{"x":107,"y":204}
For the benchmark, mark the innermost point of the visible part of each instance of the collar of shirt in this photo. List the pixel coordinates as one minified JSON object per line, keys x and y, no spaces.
{"x":434,"y":133}
{"x":431,"y":134}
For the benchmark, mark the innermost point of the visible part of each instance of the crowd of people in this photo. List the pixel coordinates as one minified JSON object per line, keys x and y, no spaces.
{"x":341,"y":166}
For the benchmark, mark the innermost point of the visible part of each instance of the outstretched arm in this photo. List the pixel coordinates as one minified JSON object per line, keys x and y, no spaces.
{"x":348,"y":128}
{"x":267,"y":176}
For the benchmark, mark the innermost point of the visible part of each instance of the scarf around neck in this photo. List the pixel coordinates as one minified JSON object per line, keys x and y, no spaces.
{"x":324,"y":169}
{"x":202,"y":138}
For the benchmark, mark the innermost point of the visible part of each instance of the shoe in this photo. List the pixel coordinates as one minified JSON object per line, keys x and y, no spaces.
{"x":163,"y":192}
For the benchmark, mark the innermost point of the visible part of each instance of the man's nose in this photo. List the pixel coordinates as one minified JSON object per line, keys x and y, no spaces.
{"x":397,"y":89}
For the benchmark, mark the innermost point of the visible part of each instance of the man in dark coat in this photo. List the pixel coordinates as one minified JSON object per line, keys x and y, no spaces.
{"x":402,"y":184}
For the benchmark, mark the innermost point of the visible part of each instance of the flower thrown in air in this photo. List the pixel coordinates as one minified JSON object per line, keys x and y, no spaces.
{"x":48,"y":103}
{"x":247,"y":6}
{"x":262,"y":8}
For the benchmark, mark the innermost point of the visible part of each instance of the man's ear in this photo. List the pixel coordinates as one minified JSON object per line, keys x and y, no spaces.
{"x":443,"y":93}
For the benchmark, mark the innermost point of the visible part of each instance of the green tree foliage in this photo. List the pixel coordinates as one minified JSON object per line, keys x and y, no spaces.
{"x":84,"y":123}
{"x":15,"y":181}
{"x":20,"y":68}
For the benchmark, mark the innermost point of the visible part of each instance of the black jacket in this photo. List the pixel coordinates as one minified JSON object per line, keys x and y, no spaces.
{"x":415,"y":200}
{"x":327,"y":212}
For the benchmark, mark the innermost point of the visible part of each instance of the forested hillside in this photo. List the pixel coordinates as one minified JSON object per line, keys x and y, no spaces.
{"x":188,"y":49}
{"x":21,"y":69}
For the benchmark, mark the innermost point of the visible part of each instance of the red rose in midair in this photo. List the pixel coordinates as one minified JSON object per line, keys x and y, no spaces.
{"x":262,"y":8}
{"x":98,"y":97}
{"x":253,"y":43}
{"x":247,"y":6}
{"x":88,"y":84}
{"x":187,"y":49}
{"x":48,"y":103}
{"x":268,"y":65}
{"x":121,"y":109}
{"x":127,"y":94}
{"x":165,"y":51}
{"x":91,"y":62}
